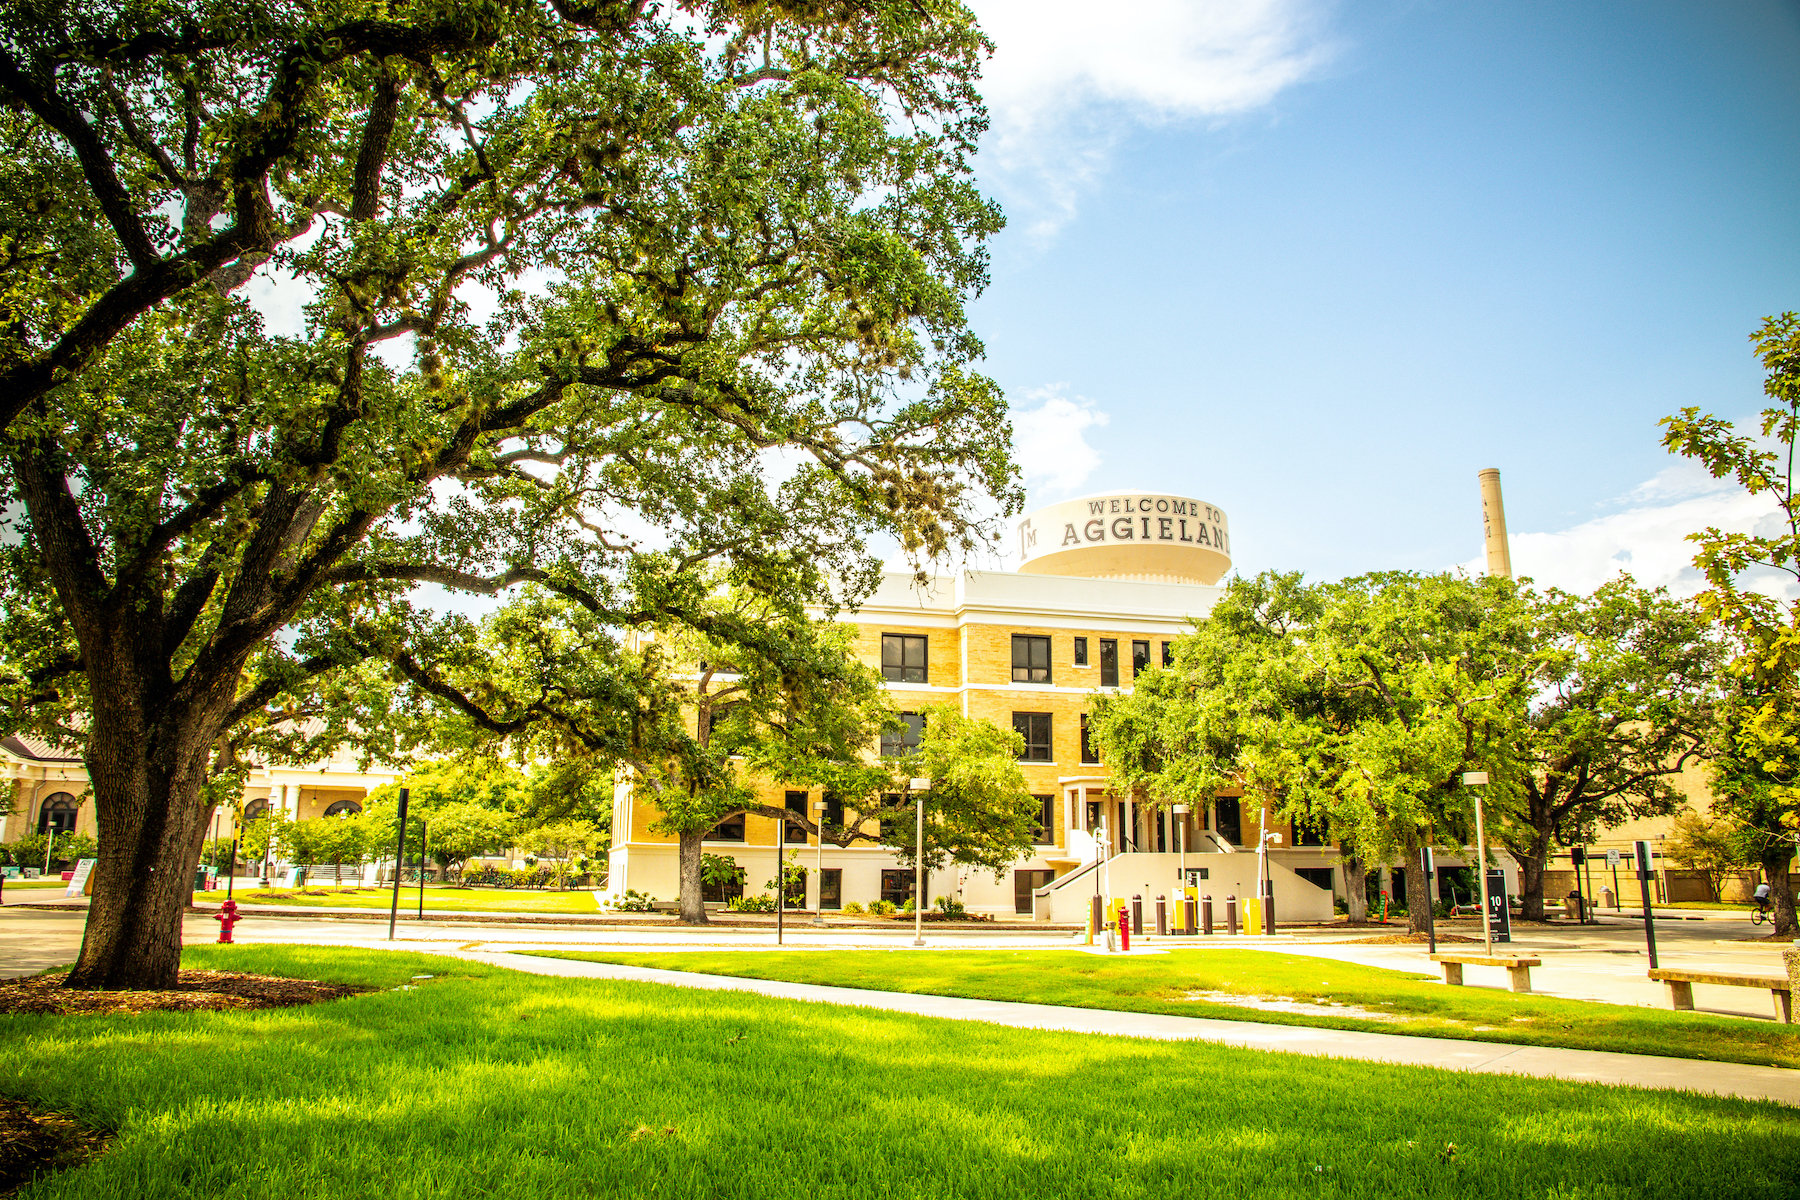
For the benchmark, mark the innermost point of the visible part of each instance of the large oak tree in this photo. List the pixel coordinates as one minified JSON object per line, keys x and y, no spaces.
{"x":597,"y":295}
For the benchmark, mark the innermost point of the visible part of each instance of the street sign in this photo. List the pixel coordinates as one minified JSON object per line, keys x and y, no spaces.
{"x":1612,"y":858}
{"x":81,"y":883}
{"x":1474,"y":778}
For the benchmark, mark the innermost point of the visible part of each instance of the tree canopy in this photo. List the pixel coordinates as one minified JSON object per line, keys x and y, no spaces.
{"x":598,"y":296}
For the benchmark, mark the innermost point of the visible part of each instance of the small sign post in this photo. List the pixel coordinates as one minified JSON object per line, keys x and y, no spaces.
{"x":1430,"y":914}
{"x":1645,"y":865}
{"x":1499,"y":915}
{"x":399,"y":862}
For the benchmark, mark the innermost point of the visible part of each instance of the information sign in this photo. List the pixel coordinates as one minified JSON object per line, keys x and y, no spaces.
{"x":80,"y":883}
{"x":1499,"y":917}
{"x":1612,"y":858}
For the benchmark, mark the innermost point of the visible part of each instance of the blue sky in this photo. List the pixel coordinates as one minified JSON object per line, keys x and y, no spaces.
{"x":1319,"y":263}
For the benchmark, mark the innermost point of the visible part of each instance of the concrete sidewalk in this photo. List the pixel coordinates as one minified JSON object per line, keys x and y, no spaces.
{"x":1586,"y":1066}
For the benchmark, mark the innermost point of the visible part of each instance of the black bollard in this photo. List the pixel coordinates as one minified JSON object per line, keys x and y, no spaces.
{"x":1099,"y":920}
{"x":1162,"y":917}
{"x":1190,"y":916}
{"x":1231,"y":915}
{"x":1137,"y":915}
{"x":1206,"y":915}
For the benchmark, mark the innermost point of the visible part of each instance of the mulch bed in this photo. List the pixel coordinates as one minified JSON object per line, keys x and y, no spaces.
{"x":35,"y":1143}
{"x":195,"y":991}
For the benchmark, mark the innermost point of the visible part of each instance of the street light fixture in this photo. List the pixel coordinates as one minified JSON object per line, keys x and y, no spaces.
{"x":819,"y":862}
{"x":1181,"y":812}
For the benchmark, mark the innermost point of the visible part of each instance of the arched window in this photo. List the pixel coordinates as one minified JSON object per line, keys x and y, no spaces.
{"x":256,"y":809}
{"x":344,"y":808}
{"x":58,"y":814}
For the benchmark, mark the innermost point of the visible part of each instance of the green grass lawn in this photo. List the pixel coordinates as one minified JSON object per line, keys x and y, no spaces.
{"x":323,"y":895}
{"x":1163,"y":984}
{"x":483,"y":1082}
{"x":36,"y":883}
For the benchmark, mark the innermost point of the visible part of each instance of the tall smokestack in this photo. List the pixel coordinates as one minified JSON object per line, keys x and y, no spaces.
{"x":1493,"y":524}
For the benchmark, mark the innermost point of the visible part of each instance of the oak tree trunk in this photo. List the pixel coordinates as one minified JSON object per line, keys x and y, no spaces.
{"x":1356,"y":890}
{"x":692,"y":906}
{"x":1531,"y":878}
{"x":1775,"y":856}
{"x":1418,"y":891}
{"x":147,"y":776}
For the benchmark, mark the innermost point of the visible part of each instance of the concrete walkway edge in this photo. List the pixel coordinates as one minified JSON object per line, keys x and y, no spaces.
{"x":1546,"y":1062}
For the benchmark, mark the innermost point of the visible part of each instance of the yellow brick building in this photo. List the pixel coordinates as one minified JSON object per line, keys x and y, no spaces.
{"x":1105,"y":585}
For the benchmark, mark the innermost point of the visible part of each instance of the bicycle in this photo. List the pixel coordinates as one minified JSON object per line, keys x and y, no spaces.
{"x":1761,"y":915}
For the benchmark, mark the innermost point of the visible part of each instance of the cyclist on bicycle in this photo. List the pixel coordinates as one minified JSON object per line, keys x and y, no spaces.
{"x":1761,"y":896}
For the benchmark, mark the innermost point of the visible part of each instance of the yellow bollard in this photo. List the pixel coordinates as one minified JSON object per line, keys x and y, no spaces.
{"x":1252,"y":916}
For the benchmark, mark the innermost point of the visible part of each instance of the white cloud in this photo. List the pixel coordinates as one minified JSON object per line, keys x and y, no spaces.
{"x":1050,"y":441}
{"x":1647,"y":538}
{"x":1066,"y":78}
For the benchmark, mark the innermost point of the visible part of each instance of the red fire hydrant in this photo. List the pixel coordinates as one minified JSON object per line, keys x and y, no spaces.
{"x":1124,"y":930}
{"x":227,"y":917}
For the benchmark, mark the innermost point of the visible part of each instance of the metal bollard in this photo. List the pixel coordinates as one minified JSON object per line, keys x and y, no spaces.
{"x":1137,"y":914}
{"x":1268,"y":906}
{"x":1206,"y":915}
{"x":1162,"y":917}
{"x":1231,"y":915}
{"x":1124,"y":932}
{"x":1096,"y":920}
{"x":1190,"y":917}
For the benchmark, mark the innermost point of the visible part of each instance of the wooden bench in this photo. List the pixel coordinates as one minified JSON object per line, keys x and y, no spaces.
{"x":1681,"y":988}
{"x":1518,"y":967}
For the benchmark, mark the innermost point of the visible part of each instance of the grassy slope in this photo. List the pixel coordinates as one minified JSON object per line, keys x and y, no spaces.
{"x":1161,"y":984}
{"x":436,"y":899}
{"x":483,"y":1082}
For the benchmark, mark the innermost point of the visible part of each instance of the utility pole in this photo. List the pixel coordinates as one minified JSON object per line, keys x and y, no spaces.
{"x":919,"y":873}
{"x":1478,"y":779}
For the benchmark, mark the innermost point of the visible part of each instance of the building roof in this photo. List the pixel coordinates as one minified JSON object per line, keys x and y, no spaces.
{"x":37,"y":749}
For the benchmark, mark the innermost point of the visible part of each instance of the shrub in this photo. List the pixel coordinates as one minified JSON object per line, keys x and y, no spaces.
{"x":634,"y":901}
{"x":882,"y":908}
{"x":952,"y":908}
{"x":759,"y":903}
{"x":852,"y":909}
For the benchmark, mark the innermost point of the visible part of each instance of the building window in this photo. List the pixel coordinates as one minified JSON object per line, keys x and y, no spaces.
{"x":1309,"y":833}
{"x":889,"y":819}
{"x":716,"y":729}
{"x":57,"y":816}
{"x":1031,"y":659}
{"x":1035,"y":729}
{"x":831,"y":888}
{"x":256,"y":810}
{"x":834,"y":811}
{"x":1025,"y":883}
{"x":897,"y":887}
{"x":903,"y":658}
{"x":1228,"y":820}
{"x":1046,"y":830}
{"x":1319,"y":877}
{"x":731,"y":829}
{"x":1109,"y":662}
{"x":1168,"y":654}
{"x":1088,"y":753}
{"x":344,"y":808}
{"x":1081,"y":652}
{"x":795,"y":834}
{"x":1140,"y":658}
{"x":721,"y":890}
{"x":901,"y":740}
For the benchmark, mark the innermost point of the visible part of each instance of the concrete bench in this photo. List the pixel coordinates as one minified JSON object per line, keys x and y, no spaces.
{"x":1681,"y":988}
{"x":1518,"y":967}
